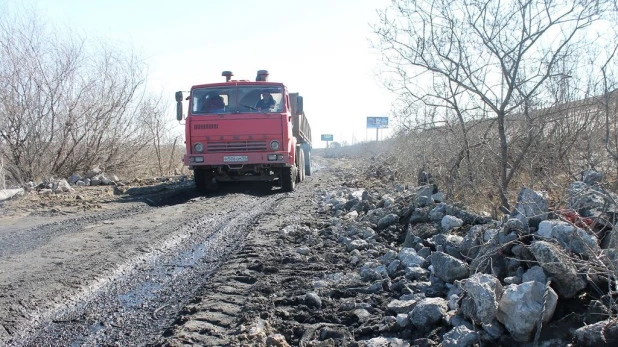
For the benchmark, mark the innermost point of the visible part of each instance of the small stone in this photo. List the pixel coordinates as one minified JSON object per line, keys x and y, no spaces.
{"x":387,"y":221}
{"x":335,"y":333}
{"x":591,"y":177}
{"x":448,"y":268}
{"x":416,"y":273}
{"x":424,"y":201}
{"x":453,"y":301}
{"x":451,"y":222}
{"x":362,"y":315}
{"x":303,"y":250}
{"x":373,"y":272}
{"x":534,"y":273}
{"x":276,"y":340}
{"x":402,"y":320}
{"x":424,"y":252}
{"x":489,"y":234}
{"x":386,"y":341}
{"x":428,"y":312}
{"x":357,"y":244}
{"x":459,"y":336}
{"x":368,"y":233}
{"x":389,"y":256}
{"x":409,"y":257}
{"x":560,"y":267}
{"x":521,"y":305}
{"x":438,"y":197}
{"x":569,"y":237}
{"x":399,"y":306}
{"x":485,"y":291}
{"x":351,"y":215}
{"x":596,"y":312}
{"x":512,"y":280}
{"x":393,"y":266}
{"x":603,"y":333}
{"x":457,"y":320}
{"x":374,"y":288}
{"x":312,"y":299}
{"x":494,"y":329}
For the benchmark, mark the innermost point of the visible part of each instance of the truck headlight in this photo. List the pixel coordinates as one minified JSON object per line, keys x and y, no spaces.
{"x":274,"y":145}
{"x":199,"y":147}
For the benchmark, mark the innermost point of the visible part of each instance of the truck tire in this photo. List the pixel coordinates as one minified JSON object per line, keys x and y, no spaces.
{"x":307,"y":152}
{"x":204,"y":182}
{"x":288,"y":179}
{"x":301,"y":166}
{"x":199,"y":177}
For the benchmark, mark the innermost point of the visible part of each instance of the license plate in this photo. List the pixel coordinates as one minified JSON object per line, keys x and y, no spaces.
{"x":235,"y":158}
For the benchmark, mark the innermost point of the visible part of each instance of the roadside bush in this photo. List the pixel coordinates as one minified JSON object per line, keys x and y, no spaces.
{"x":68,"y":104}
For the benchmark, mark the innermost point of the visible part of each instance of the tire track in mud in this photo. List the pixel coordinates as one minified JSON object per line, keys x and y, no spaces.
{"x":138,"y":300}
{"x":235,"y":304}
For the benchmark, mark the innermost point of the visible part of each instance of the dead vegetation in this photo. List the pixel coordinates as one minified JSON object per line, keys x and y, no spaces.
{"x":495,"y":96}
{"x":68,"y":104}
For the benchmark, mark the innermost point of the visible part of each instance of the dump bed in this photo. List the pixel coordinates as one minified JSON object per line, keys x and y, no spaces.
{"x":300,"y":125}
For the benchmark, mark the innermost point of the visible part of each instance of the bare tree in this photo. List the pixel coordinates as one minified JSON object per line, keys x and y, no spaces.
{"x":488,"y":60}
{"x":67,"y":104}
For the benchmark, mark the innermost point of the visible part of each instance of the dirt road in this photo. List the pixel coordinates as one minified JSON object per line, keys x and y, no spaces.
{"x":103,"y":268}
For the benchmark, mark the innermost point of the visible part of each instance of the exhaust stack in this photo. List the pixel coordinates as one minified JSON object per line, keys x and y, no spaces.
{"x":262,"y":75}
{"x":228,"y":75}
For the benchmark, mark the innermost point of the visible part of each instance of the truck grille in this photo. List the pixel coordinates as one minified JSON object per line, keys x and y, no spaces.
{"x":205,"y":126}
{"x":236,"y":146}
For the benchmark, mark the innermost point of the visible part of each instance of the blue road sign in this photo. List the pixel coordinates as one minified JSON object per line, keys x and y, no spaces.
{"x":377,"y":122}
{"x":327,"y":137}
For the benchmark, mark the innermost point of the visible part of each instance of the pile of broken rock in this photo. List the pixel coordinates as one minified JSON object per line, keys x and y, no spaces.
{"x":93,"y":177}
{"x":457,"y":278}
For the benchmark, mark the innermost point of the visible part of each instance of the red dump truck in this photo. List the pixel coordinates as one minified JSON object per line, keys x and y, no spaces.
{"x":242,"y":130}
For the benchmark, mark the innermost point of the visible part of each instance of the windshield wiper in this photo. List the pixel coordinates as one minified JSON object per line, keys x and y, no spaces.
{"x":247,"y":106}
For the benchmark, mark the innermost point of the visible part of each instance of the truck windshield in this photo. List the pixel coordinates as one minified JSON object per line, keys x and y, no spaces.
{"x":241,"y":99}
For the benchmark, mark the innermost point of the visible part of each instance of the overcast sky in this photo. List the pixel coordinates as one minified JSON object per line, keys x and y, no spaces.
{"x":319,"y":48}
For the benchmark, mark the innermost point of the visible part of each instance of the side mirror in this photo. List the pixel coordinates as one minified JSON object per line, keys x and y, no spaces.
{"x":178,"y":96}
{"x":299,"y":104}
{"x":179,"y":114}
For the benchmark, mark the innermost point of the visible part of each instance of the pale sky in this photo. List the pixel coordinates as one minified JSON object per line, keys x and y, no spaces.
{"x":319,"y":48}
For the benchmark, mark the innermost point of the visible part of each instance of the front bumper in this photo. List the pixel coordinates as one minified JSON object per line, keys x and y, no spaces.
{"x":237,"y":159}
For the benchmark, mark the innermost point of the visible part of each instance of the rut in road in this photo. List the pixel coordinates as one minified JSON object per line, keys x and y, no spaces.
{"x":142,"y":297}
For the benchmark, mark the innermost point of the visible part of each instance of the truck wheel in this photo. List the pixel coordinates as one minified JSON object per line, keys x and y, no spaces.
{"x":288,"y":179}
{"x":301,"y":166}
{"x":308,"y":163}
{"x":204,"y":182}
{"x":211,"y":184}
{"x":199,"y":176}
{"x":307,"y":153}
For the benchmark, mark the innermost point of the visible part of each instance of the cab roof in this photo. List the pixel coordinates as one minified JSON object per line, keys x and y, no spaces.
{"x":233,"y":83}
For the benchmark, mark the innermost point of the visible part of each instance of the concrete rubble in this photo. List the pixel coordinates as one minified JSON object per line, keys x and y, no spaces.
{"x":426,"y":271}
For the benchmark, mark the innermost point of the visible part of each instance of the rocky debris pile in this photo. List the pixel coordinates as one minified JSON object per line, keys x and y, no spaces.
{"x":93,"y":177}
{"x":423,"y":271}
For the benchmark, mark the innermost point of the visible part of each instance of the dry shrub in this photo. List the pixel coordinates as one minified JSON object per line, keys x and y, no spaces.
{"x":68,"y":104}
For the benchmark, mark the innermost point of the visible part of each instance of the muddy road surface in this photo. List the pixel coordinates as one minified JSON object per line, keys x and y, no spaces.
{"x":100,"y":266}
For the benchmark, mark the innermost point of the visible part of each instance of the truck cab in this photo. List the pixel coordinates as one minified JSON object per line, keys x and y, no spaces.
{"x":241,"y":130}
